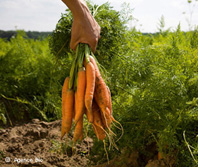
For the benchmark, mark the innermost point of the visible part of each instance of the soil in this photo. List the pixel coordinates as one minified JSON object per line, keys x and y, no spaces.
{"x":38,"y":143}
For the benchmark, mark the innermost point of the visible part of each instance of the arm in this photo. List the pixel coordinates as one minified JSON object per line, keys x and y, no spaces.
{"x":84,"y":28}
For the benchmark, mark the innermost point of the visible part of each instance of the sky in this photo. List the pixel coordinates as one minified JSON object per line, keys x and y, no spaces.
{"x":43,"y":15}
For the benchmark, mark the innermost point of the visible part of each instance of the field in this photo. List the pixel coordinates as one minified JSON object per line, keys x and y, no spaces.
{"x":153,"y":80}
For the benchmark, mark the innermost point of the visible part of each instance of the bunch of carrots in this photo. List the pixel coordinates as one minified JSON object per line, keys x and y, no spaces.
{"x":85,"y":92}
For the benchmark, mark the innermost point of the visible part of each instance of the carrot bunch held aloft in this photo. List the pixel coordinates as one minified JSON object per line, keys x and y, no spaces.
{"x":85,"y":92}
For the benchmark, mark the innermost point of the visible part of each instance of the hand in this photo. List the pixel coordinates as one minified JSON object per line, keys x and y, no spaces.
{"x":85,"y":29}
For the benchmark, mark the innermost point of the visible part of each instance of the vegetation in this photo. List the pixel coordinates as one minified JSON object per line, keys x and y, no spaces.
{"x":29,"y":79}
{"x":153,"y":80}
{"x":30,"y":34}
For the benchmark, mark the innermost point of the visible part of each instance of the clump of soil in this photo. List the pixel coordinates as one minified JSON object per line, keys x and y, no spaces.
{"x":38,"y":143}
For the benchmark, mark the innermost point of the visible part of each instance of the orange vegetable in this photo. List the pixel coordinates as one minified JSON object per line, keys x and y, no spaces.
{"x":92,"y":60}
{"x":102,"y":96}
{"x":97,"y":122}
{"x":110,"y":104}
{"x":159,"y":156}
{"x":68,"y":112}
{"x":90,"y":86}
{"x":64,"y":92}
{"x":80,"y":95}
{"x":78,"y":132}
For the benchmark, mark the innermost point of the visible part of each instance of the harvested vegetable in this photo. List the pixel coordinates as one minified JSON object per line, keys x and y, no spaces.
{"x":78,"y":132}
{"x":98,"y":126}
{"x":80,"y":94}
{"x":64,"y":96}
{"x":92,"y":97}
{"x":90,"y":87}
{"x":68,"y":112}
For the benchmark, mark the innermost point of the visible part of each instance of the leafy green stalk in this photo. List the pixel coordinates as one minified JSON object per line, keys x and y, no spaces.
{"x":73,"y":70}
{"x":87,"y":53}
{"x":81,"y":54}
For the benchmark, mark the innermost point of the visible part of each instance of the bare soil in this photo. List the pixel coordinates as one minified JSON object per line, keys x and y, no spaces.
{"x":38,"y":143}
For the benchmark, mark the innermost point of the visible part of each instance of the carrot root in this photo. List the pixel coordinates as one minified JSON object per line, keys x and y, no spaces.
{"x":106,"y":151}
{"x":121,"y":127}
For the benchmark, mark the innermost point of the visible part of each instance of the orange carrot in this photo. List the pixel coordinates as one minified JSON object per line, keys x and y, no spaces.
{"x":81,"y":137}
{"x":106,"y":117}
{"x":101,"y":96}
{"x":89,"y":116}
{"x":92,"y":60}
{"x":110,"y":104}
{"x":64,"y":91}
{"x":68,"y":113}
{"x":159,"y":156}
{"x":78,"y":132}
{"x":97,"y":123}
{"x":75,"y":105}
{"x":64,"y":95}
{"x":94,"y":108}
{"x":90,"y":86}
{"x":80,"y":94}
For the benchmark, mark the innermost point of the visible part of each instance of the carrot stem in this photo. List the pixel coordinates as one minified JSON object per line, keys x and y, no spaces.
{"x":81,"y":53}
{"x":73,"y":70}
{"x":87,"y":53}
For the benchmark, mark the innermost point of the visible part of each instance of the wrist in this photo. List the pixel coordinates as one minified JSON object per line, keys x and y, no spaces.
{"x":77,"y":7}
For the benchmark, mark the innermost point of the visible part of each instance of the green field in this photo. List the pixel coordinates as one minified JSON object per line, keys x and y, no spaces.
{"x":153,"y":80}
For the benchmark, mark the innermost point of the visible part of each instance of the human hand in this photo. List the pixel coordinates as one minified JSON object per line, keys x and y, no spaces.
{"x":85,"y":29}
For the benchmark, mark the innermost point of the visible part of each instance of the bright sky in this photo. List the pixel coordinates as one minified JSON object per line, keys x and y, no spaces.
{"x":42,"y":15}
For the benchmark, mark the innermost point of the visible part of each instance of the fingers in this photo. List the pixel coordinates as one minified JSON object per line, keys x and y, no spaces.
{"x":91,"y":41}
{"x":93,"y":44}
{"x":85,"y":33}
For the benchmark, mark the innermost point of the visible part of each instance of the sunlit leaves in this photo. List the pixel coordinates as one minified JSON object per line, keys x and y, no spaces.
{"x":28,"y":75}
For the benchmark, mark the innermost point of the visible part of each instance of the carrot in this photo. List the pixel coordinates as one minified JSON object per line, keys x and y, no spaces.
{"x":106,"y":117}
{"x":78,"y":132}
{"x":94,"y":108}
{"x":110,"y":104}
{"x":89,"y":116}
{"x":75,"y":105}
{"x":64,"y":95}
{"x":92,"y":60}
{"x":80,"y":94}
{"x":97,"y":122}
{"x":159,"y":156}
{"x":102,"y":96}
{"x":64,"y":91}
{"x":68,"y":112}
{"x":81,"y":137}
{"x":90,"y":86}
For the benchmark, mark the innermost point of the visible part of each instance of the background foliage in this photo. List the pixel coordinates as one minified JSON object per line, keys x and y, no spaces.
{"x":153,"y":79}
{"x":29,"y":79}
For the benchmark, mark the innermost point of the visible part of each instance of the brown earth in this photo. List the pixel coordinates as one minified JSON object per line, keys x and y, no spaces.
{"x":38,"y":143}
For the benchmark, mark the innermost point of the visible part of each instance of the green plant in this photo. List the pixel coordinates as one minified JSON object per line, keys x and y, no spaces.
{"x":30,"y":80}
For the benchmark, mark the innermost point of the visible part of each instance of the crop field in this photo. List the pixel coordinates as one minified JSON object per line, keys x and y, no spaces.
{"x":153,"y":79}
